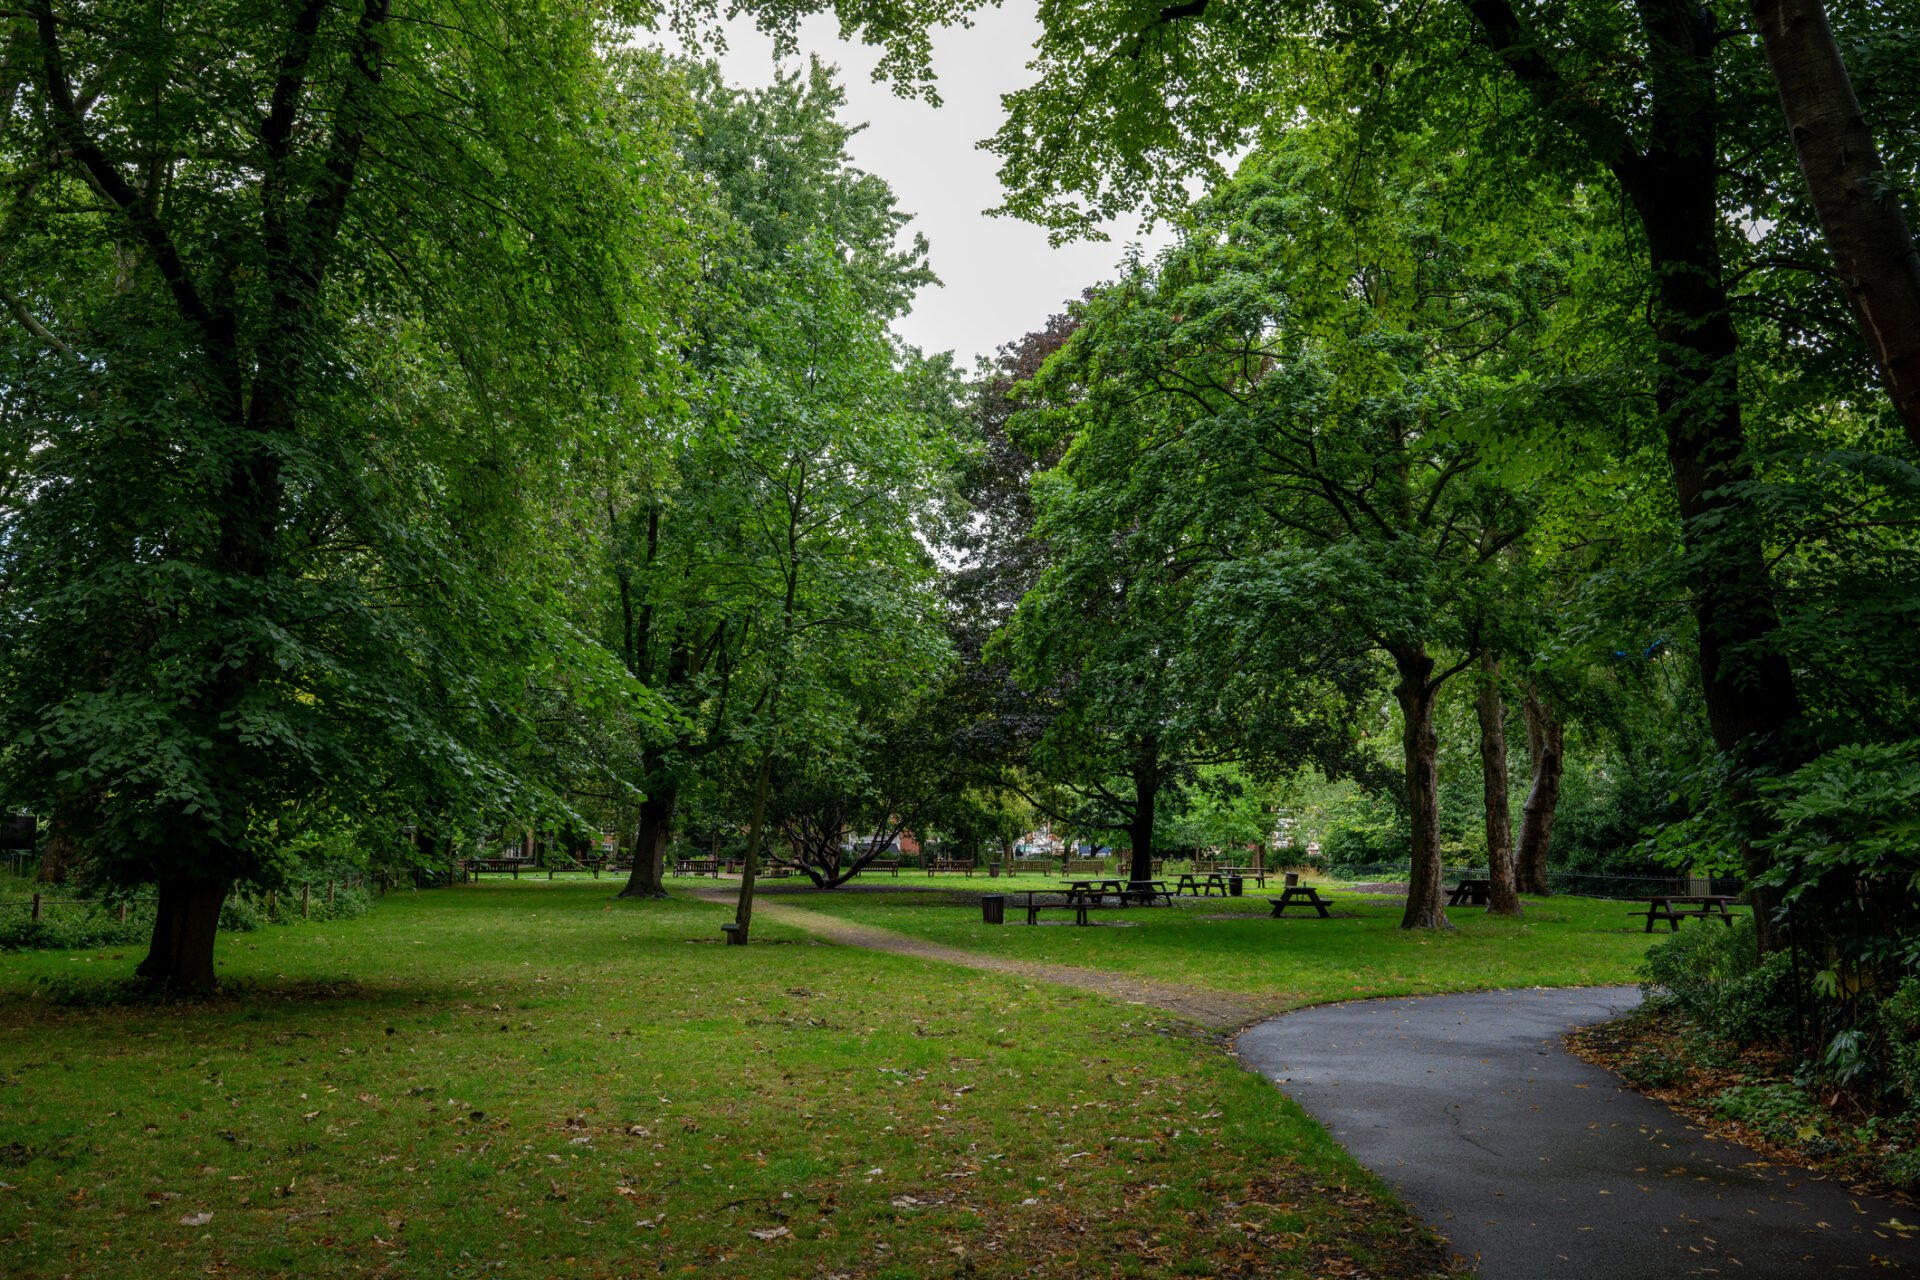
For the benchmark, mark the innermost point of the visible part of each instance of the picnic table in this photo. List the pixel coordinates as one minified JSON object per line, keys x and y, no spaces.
{"x":1082,"y":896}
{"x":1675,"y":907}
{"x":1470,"y":892}
{"x":1202,"y":884}
{"x":1299,"y":895}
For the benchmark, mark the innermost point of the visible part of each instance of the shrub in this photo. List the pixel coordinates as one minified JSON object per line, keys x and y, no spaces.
{"x":1715,"y":978}
{"x":1900,"y":1024}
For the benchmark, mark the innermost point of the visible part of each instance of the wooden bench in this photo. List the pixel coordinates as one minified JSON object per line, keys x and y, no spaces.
{"x":950,"y":864}
{"x":1300,"y":895}
{"x":883,"y":864}
{"x":697,"y":866}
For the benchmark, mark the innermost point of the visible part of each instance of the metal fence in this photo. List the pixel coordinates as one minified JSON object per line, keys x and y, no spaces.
{"x":1576,"y":883}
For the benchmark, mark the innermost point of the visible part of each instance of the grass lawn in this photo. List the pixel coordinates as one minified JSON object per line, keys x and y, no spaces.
{"x":1233,"y":944}
{"x":532,"y":1079}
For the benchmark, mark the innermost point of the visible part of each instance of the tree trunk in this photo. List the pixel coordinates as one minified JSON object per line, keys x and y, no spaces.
{"x":1146,"y":791}
{"x":750,"y":865}
{"x":181,"y":953}
{"x":647,"y":879}
{"x":1504,"y":897}
{"x":1673,"y":184}
{"x":1859,"y":211}
{"x":1415,"y":693}
{"x":56,"y":860}
{"x":1545,"y":738}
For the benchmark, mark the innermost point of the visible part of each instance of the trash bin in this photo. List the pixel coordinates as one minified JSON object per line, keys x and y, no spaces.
{"x":993,"y":871}
{"x":1233,"y":886}
{"x":993,"y":908}
{"x":1293,"y":878}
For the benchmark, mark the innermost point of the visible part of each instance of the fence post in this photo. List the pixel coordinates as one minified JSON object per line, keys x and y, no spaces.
{"x":329,"y":893}
{"x":123,"y":913}
{"x":36,"y":906}
{"x":306,"y":900}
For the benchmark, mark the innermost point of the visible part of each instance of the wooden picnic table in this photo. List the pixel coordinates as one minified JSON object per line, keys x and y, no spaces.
{"x":1675,"y":907}
{"x":1202,"y":884}
{"x":1298,"y":895}
{"x":1470,"y":892}
{"x":1127,"y":891}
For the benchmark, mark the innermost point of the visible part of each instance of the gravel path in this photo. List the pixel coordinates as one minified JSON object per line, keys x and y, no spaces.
{"x":1214,"y":1010}
{"x":1537,"y":1164}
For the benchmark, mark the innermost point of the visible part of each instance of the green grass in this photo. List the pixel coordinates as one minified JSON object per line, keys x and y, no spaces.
{"x":1301,"y":959}
{"x":532,"y":1079}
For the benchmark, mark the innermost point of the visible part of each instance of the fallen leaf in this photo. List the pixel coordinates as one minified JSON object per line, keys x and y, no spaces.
{"x":195,"y":1219}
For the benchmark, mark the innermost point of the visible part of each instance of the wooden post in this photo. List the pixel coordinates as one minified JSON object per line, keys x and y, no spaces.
{"x":36,"y":906}
{"x":306,"y":900}
{"x":273,"y":902}
{"x":329,"y":893}
{"x":123,"y":913}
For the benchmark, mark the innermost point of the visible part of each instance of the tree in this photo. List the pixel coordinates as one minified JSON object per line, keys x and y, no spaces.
{"x":1490,"y":710}
{"x":837,"y":471}
{"x":1296,"y":378}
{"x":306,"y":282}
{"x":678,"y":601}
{"x":1856,"y":198}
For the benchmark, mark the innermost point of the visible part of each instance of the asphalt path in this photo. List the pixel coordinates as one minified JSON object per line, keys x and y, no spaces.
{"x":1535,"y":1163}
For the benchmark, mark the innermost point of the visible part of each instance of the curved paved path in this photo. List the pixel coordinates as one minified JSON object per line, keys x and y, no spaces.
{"x":1538,"y":1164}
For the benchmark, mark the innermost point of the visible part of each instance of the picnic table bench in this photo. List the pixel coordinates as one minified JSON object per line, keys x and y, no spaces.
{"x":1201,"y":884}
{"x":1470,"y":892}
{"x":1082,"y":896}
{"x":1128,"y":892}
{"x":1675,"y":907}
{"x":1298,"y":895}
{"x":1256,"y":874}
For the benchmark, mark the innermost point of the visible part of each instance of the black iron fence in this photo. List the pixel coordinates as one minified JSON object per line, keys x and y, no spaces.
{"x":1580,"y":884}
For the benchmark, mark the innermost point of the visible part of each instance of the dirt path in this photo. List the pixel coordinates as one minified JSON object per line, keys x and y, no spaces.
{"x":1214,"y":1010}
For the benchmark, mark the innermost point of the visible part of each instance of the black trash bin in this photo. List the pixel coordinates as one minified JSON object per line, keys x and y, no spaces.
{"x":1234,"y":885}
{"x":993,"y":908}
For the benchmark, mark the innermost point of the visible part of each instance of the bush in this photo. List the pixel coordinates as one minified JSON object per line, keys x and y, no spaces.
{"x":1715,"y":978}
{"x":1899,"y":1017}
{"x":70,"y":929}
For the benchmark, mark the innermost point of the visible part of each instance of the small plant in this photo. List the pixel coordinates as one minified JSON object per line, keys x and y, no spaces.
{"x":1652,"y":1071}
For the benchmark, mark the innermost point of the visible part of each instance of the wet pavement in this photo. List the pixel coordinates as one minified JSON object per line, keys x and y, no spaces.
{"x":1535,"y":1163}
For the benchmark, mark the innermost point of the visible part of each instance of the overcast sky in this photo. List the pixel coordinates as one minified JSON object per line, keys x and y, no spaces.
{"x":1001,"y":279}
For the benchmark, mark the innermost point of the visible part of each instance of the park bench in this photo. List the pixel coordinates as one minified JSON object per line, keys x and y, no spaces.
{"x":883,"y":864}
{"x":950,"y":864}
{"x":697,"y":866}
{"x":1300,"y":895}
{"x":1031,"y":866}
